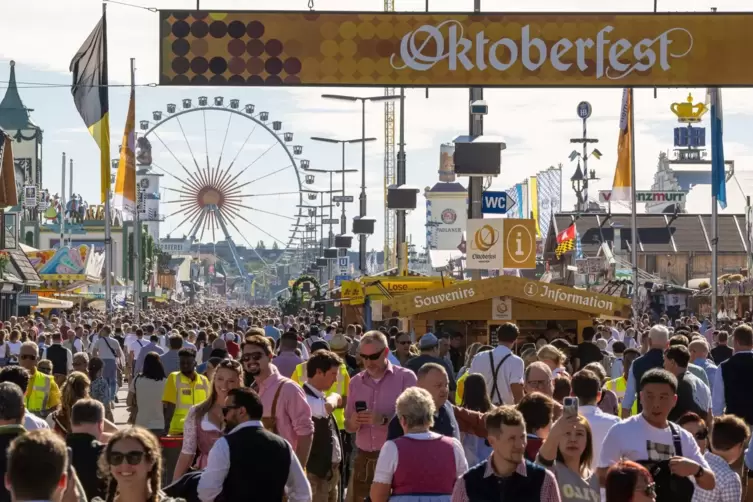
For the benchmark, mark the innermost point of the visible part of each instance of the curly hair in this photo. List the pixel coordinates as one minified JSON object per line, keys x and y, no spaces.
{"x":152,"y":453}
{"x":75,"y":388}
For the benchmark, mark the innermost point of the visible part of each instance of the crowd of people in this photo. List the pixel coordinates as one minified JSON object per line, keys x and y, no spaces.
{"x":233,"y":404}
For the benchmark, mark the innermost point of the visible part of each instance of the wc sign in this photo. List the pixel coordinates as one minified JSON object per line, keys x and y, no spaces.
{"x":496,"y":202}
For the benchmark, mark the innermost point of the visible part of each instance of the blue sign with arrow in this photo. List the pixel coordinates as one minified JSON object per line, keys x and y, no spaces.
{"x":496,"y":202}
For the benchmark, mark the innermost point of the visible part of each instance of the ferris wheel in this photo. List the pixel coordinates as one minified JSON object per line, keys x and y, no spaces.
{"x":227,"y":169}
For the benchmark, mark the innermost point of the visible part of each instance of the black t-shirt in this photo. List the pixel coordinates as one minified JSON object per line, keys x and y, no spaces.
{"x":721,"y":353}
{"x":588,"y":353}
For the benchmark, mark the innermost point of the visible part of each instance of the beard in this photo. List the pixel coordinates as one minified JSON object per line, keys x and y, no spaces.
{"x":229,"y":426}
{"x":253,"y":371}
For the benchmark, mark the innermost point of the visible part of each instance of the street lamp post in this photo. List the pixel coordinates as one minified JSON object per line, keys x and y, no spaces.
{"x":362,"y":197}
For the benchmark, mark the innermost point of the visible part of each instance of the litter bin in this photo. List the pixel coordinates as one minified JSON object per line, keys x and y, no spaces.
{"x":171,"y":446}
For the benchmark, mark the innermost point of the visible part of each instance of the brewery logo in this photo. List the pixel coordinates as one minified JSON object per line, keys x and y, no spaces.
{"x":485,"y":238}
{"x":449,"y":216}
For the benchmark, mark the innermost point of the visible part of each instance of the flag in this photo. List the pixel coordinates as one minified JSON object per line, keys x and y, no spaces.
{"x":535,"y":203}
{"x":578,"y":246}
{"x":565,"y":241}
{"x":622,"y":186}
{"x":718,"y":177}
{"x":124,"y":196}
{"x":90,"y":93}
{"x":596,"y":154}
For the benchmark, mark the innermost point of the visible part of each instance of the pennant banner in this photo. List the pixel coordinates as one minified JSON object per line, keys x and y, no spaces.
{"x":125,"y":182}
{"x":622,"y":185}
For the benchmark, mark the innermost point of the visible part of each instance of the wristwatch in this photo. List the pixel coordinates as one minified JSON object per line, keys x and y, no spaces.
{"x":699,"y":473}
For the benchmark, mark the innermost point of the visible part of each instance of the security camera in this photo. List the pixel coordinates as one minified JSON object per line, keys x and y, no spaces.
{"x":479,"y":107}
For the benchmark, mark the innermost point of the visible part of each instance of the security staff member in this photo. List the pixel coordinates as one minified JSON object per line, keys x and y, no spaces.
{"x":340,"y":387}
{"x":183,"y":389}
{"x":42,"y":393}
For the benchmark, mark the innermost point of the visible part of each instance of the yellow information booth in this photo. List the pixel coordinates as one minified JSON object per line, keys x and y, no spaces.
{"x":480,"y":306}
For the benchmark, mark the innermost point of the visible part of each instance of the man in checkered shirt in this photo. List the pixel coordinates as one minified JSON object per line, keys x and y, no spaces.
{"x":728,"y":439}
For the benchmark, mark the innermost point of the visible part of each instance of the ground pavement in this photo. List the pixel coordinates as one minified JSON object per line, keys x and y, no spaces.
{"x":120,"y":413}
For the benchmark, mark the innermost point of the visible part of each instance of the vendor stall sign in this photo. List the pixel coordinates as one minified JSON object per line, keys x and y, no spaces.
{"x":352,"y":293}
{"x":564,"y":297}
{"x":485,"y":244}
{"x":445,"y":297}
{"x":648,"y":196}
{"x":502,"y":308}
{"x":288,"y":48}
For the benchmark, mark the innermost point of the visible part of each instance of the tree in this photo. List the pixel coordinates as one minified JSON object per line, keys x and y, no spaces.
{"x":275,"y":246}
{"x":260,"y":245}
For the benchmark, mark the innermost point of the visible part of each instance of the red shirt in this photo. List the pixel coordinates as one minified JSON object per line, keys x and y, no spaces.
{"x":233,"y":349}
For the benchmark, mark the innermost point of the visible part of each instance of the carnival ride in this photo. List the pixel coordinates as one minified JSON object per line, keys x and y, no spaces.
{"x":217,"y":158}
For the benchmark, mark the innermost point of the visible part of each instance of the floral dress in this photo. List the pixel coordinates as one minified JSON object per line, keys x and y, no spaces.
{"x":100,"y":391}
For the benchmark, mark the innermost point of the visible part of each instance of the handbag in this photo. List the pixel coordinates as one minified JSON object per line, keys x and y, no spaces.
{"x":118,"y":364}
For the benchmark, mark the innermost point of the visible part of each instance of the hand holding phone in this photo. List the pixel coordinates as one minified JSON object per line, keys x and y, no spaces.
{"x":570,"y":407}
{"x":363,"y":415}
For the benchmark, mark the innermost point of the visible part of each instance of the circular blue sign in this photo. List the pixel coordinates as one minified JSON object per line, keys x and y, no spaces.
{"x":584,"y":109}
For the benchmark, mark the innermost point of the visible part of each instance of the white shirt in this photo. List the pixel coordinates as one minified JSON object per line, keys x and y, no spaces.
{"x":297,"y":487}
{"x":14,"y":348}
{"x":600,"y":423}
{"x":108,"y":348}
{"x":635,"y":439}
{"x":135,"y":347}
{"x":511,"y":372}
{"x":33,"y":422}
{"x":319,"y":410}
{"x":388,"y":457}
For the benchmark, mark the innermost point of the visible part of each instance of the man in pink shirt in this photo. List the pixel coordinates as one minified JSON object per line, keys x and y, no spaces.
{"x":286,"y":411}
{"x":372,"y":395}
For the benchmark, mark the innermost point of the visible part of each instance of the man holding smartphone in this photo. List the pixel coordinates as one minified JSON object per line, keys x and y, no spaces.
{"x":372,"y":395}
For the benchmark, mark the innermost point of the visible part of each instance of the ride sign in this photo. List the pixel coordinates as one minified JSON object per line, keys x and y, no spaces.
{"x":454,"y":49}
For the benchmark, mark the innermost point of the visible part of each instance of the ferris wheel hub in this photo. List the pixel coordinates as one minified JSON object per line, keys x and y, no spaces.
{"x":210,"y":196}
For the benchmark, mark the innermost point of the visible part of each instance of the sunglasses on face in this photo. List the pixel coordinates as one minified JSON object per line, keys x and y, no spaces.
{"x":256,"y":356}
{"x":28,"y":357}
{"x":226,"y":409}
{"x":131,"y":457}
{"x":372,"y":357}
{"x":46,"y":371}
{"x":701,"y":434}
{"x":404,"y":342}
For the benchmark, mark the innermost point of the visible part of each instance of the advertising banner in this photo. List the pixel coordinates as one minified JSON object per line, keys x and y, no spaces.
{"x":446,"y":218}
{"x":549,"y":187}
{"x":454,"y":49}
{"x":485,"y":244}
{"x":502,"y":309}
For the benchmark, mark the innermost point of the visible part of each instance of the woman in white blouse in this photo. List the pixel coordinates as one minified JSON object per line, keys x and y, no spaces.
{"x":203,"y":425}
{"x":402,"y":471}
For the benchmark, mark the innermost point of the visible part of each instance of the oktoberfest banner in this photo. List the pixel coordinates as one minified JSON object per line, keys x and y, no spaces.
{"x":454,"y":49}
{"x":550,"y":195}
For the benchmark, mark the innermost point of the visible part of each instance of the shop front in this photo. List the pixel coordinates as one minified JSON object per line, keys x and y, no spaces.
{"x":476,"y":308}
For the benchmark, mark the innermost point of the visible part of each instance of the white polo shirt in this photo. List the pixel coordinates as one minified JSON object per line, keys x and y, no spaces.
{"x":511,"y":372}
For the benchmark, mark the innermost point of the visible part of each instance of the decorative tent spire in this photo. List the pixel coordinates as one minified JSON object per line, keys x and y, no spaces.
{"x":13,"y":114}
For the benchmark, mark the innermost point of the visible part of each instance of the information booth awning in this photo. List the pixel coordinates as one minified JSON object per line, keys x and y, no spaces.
{"x":506,"y":293}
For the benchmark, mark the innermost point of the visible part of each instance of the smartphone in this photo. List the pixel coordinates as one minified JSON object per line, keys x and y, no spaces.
{"x":361,"y":406}
{"x":570,"y":406}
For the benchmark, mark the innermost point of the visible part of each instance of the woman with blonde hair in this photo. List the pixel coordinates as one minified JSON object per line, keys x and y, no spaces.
{"x":552,"y":357}
{"x":75,"y":387}
{"x":203,"y":424}
{"x":567,"y":451}
{"x":131,"y":463}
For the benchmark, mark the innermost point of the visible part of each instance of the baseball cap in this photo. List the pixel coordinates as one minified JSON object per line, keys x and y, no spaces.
{"x":428,"y":341}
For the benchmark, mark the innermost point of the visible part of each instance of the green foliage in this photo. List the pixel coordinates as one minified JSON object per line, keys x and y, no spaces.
{"x":294,"y":304}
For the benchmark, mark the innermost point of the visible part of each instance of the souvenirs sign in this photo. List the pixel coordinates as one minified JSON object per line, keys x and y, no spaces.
{"x":454,"y":49}
{"x":525,"y":290}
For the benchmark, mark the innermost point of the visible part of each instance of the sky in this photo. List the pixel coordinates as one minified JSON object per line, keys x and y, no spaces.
{"x":536,"y":124}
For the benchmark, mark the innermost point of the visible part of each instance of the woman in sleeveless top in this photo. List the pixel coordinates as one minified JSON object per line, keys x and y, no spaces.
{"x":475,"y":398}
{"x":203,"y":425}
{"x":402,"y":472}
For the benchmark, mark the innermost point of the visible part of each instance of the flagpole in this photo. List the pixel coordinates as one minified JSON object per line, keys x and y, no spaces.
{"x":633,"y":210}
{"x":714,"y":262}
{"x":62,"y":208}
{"x":108,"y":237}
{"x":136,"y":222}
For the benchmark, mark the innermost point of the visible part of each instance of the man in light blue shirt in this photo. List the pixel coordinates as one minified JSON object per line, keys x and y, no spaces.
{"x":699,"y":355}
{"x":270,"y":331}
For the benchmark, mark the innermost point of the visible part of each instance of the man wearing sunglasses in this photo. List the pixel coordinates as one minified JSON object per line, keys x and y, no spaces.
{"x":264,"y":475}
{"x":42,"y":393}
{"x":286,"y":411}
{"x":372,"y":395}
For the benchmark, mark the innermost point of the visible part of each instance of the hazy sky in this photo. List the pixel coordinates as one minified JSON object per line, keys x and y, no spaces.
{"x":42,"y":35}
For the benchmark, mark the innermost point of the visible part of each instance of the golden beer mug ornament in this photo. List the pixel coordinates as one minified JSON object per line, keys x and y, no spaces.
{"x":689,"y":113}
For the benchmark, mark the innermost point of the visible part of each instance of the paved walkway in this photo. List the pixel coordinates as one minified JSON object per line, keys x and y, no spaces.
{"x":120,"y":413}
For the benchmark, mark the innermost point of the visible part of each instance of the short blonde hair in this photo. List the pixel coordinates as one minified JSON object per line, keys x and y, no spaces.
{"x":416,"y":406}
{"x":551,"y":353}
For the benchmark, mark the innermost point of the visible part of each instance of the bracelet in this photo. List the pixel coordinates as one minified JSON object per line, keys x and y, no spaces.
{"x":699,"y":473}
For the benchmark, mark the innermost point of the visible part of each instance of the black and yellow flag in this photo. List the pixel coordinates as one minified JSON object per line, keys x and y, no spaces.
{"x":90,"y":93}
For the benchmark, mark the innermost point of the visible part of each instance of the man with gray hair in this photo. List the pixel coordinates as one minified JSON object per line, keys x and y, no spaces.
{"x":699,"y":355}
{"x":658,"y":337}
{"x":371,"y":404}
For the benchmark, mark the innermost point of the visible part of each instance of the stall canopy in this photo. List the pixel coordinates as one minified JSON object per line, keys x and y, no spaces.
{"x":53,"y":303}
{"x":528,"y":291}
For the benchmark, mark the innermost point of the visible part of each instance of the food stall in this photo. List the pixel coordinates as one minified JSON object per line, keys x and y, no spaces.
{"x":476,"y":308}
{"x":65,"y":274}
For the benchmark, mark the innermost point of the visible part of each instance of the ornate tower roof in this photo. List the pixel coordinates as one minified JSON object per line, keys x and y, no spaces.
{"x":13,"y":114}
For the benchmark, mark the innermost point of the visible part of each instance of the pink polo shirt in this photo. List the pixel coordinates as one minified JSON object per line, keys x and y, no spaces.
{"x":293,"y":413}
{"x":380,"y":398}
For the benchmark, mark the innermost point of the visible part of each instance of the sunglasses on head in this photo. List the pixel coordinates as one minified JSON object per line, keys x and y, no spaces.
{"x":131,"y":457}
{"x":256,"y":356}
{"x":372,"y":357}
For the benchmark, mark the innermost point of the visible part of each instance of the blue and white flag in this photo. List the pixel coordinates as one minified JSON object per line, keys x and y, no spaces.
{"x":718,"y":176}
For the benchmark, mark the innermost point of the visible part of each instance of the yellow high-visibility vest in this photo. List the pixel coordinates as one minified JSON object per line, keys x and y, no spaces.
{"x":460,"y":390}
{"x":36,"y":399}
{"x":187,"y":393}
{"x":618,"y":386}
{"x":340,"y":387}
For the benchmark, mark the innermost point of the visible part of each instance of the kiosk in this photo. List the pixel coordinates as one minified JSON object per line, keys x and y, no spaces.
{"x":477,"y":307}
